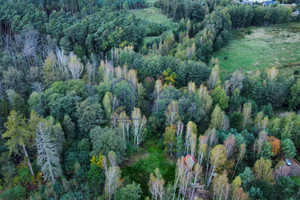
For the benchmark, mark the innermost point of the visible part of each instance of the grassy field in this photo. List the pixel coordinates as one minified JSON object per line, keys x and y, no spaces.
{"x":257,"y":48}
{"x":152,"y":15}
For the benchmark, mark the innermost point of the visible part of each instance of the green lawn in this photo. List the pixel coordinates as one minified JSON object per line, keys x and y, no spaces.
{"x":260,"y":47}
{"x":152,"y":15}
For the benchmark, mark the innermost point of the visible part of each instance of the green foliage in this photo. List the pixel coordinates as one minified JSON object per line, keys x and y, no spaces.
{"x":16,"y":193}
{"x":247,"y":177}
{"x":130,"y":191}
{"x":90,"y":114}
{"x":266,"y":188}
{"x":236,"y":120}
{"x":37,"y":103}
{"x":96,"y":179}
{"x":219,"y":97}
{"x":295,"y":96}
{"x":284,"y":188}
{"x":126,"y":94}
{"x":105,"y":140}
{"x":266,"y":152}
{"x":288,"y":148}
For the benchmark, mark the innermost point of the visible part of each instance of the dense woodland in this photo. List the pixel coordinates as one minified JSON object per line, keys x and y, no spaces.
{"x":84,"y":95}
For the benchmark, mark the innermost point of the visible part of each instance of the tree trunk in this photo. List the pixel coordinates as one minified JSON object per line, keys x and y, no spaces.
{"x":26,"y":155}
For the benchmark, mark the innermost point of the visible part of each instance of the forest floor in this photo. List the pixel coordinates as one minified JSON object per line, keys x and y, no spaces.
{"x":261,"y":47}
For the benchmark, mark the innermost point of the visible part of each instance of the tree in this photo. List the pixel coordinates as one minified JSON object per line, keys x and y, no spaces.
{"x":190,"y":138}
{"x":294,"y":101}
{"x":105,"y":140}
{"x":288,"y":148}
{"x":18,"y":134}
{"x":75,"y":66}
{"x":169,"y":138}
{"x":156,"y":185}
{"x":107,"y":103}
{"x":230,"y":145}
{"x":214,"y":78}
{"x":172,"y":113}
{"x":124,"y":125}
{"x":266,"y":152}
{"x":48,"y":151}
{"x":218,"y":157}
{"x":130,"y":191}
{"x":218,"y":119}
{"x":112,"y":181}
{"x":220,"y":98}
{"x":284,"y":188}
{"x":126,"y":94}
{"x":275,"y":144}
{"x":236,"y":81}
{"x":247,"y":109}
{"x":221,"y":187}
{"x":68,"y":127}
{"x":90,"y":114}
{"x":205,"y":98}
{"x":260,"y":121}
{"x":262,"y":170}
{"x":236,"y":120}
{"x":138,"y":125}
{"x":36,"y":103}
{"x":240,"y":156}
{"x":247,"y":177}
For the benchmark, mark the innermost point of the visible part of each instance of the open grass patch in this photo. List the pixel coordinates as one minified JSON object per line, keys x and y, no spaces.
{"x":150,"y":158}
{"x":258,"y":48}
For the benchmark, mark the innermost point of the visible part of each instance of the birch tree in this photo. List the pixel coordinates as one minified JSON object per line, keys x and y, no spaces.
{"x":138,"y":125}
{"x":219,"y":120}
{"x":205,"y":98}
{"x":214,"y":78}
{"x":260,"y":121}
{"x":229,"y":144}
{"x":247,"y":109}
{"x":240,"y":156}
{"x":112,"y":181}
{"x":75,"y":66}
{"x":191,"y":131}
{"x":158,"y":88}
{"x":217,"y":158}
{"x":156,"y":185}
{"x":221,"y":187}
{"x":171,"y":113}
{"x":124,"y":125}
{"x":107,"y":104}
{"x":272,"y":73}
{"x":263,"y":170}
{"x":191,"y":87}
{"x":48,"y":151}
{"x":236,"y":81}
{"x":169,"y":139}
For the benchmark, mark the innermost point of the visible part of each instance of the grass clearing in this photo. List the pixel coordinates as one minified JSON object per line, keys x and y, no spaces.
{"x":261,"y":47}
{"x":152,"y":15}
{"x":146,"y":161}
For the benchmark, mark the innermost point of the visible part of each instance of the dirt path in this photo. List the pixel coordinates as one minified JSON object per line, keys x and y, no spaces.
{"x":294,"y":168}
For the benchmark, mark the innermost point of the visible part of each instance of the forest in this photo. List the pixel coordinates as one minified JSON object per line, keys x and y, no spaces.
{"x":135,"y":99}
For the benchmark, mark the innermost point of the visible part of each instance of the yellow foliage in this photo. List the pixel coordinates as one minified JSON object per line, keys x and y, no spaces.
{"x":97,"y":160}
